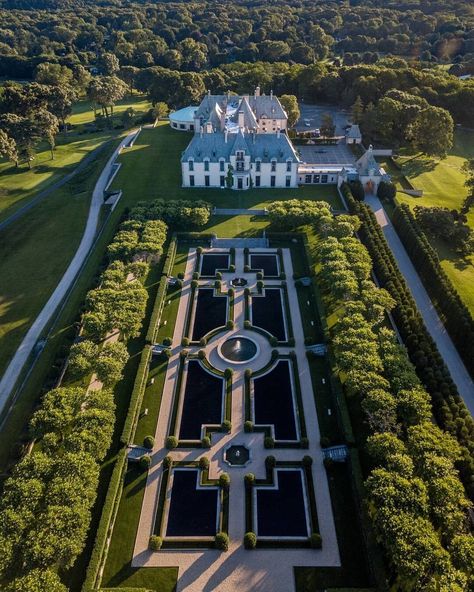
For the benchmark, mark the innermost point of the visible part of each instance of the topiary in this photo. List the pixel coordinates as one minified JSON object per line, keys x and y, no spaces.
{"x":217,"y":284}
{"x":259,"y":275}
{"x":155,"y":543}
{"x":249,"y":479}
{"x":183,"y":354}
{"x":196,"y":275}
{"x":307,"y":461}
{"x":181,"y":275}
{"x":232,"y":268}
{"x":201,"y":354}
{"x":226,"y":425}
{"x":203,"y":463}
{"x":231,"y":292}
{"x":145,"y":462}
{"x":273,"y":341}
{"x":250,"y":540}
{"x":230,"y":324}
{"x":206,"y":442}
{"x":228,"y":373}
{"x":248,"y":426}
{"x":167,"y":341}
{"x":171,"y":442}
{"x":199,"y":250}
{"x":247,"y":324}
{"x":218,"y":275}
{"x":260,"y":286}
{"x":185,"y":341}
{"x":224,"y":480}
{"x":274,"y":355}
{"x":203,"y":341}
{"x":315,"y":541}
{"x":221,"y":541}
{"x":270,"y":462}
{"x":149,"y":442}
{"x":194,"y":284}
{"x":166,"y":353}
{"x":246,"y":268}
{"x":167,"y":462}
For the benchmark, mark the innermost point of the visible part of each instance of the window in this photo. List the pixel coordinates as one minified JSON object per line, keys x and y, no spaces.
{"x":272,"y":181}
{"x":182,"y":126}
{"x":288,"y":166}
{"x":191,"y":127}
{"x":221,"y":166}
{"x":191,"y":165}
{"x":324,"y":178}
{"x":307,"y":178}
{"x":191,"y":180}
{"x":257,"y":181}
{"x":206,"y":180}
{"x":288,"y":181}
{"x":274,"y":166}
{"x":258,"y":166}
{"x":316,"y":178}
{"x":175,"y":125}
{"x":239,"y":183}
{"x":206,"y":165}
{"x":222,"y":181}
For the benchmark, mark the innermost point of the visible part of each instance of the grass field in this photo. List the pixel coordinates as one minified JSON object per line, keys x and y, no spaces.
{"x":442,"y":183}
{"x":18,"y":186}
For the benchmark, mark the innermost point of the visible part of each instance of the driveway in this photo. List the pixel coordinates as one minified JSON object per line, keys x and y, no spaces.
{"x":433,"y":323}
{"x":18,"y":361}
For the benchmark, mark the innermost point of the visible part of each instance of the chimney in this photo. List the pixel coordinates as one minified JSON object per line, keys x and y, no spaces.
{"x":278,"y":133}
{"x":209,"y":128}
{"x":271,"y":95}
{"x":225,"y":136}
{"x":202,"y":131}
{"x":241,"y":120}
{"x":257,"y":91}
{"x":253,"y":137}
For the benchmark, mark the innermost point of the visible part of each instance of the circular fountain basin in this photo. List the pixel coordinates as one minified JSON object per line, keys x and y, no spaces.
{"x":238,"y":349}
{"x":237,"y":455}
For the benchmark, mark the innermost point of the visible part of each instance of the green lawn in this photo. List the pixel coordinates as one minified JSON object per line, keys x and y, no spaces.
{"x":151,"y":170}
{"x":442,"y":182}
{"x":18,"y":186}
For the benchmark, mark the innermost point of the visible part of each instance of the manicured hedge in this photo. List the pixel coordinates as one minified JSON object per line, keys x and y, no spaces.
{"x":157,"y":310}
{"x":109,"y":511}
{"x":456,"y":316}
{"x":137,"y":397}
{"x":449,"y":408}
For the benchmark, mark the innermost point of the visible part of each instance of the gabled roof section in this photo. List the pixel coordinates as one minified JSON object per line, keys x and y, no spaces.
{"x":354,"y":132}
{"x":240,"y":143}
{"x":368,"y":163}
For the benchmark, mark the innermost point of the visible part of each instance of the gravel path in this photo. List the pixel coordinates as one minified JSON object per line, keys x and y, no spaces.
{"x":432,"y":321}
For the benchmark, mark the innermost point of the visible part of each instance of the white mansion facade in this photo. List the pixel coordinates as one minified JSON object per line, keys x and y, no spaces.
{"x":239,"y":143}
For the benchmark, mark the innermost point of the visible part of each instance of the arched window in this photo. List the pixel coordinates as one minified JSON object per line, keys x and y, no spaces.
{"x":191,"y":164}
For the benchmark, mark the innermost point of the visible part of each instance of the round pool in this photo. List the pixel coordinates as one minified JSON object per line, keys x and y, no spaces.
{"x":238,"y":349}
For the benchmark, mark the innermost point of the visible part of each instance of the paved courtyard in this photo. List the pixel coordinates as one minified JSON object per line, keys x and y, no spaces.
{"x":327,"y":154}
{"x":265,"y":570}
{"x":314,"y":114}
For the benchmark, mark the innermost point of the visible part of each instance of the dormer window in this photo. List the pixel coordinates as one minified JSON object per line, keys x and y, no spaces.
{"x":239,"y":155}
{"x":191,"y":164}
{"x":274,"y":166}
{"x":288,"y":166}
{"x":206,"y":165}
{"x":258,"y":166}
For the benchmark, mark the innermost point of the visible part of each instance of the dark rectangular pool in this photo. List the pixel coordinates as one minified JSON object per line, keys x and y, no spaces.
{"x":210,"y":312}
{"x":273,"y":401}
{"x":212,"y":262}
{"x":192,"y":512}
{"x":202,"y":401}
{"x":267,"y":313}
{"x":281,"y":512}
{"x":268,"y":263}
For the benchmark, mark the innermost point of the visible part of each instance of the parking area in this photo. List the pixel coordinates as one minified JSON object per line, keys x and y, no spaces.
{"x":327,"y":154}
{"x":314,"y":113}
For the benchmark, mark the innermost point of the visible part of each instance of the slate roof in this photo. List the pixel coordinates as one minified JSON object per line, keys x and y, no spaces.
{"x":214,"y":108}
{"x":367,"y":162}
{"x":260,"y":146}
{"x":354,"y":132}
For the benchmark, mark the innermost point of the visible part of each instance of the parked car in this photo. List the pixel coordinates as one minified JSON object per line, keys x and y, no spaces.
{"x":317,"y":133}
{"x":307,"y":122}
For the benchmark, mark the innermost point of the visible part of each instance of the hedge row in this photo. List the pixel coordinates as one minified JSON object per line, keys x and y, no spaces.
{"x":104,"y":531}
{"x":161,"y":293}
{"x":449,"y":408}
{"x":136,"y":397}
{"x":457,"y":318}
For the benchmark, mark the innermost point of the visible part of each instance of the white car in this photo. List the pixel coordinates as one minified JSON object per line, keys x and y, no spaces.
{"x":317,"y":132}
{"x":307,"y":122}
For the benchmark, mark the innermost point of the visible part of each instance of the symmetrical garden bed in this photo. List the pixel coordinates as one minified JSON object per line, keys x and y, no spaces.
{"x":210,"y":263}
{"x":210,"y":312}
{"x":267,"y":263}
{"x":268,"y":313}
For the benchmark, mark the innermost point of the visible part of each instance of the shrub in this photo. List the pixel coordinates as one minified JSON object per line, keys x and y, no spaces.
{"x":218,"y":275}
{"x":274,"y":355}
{"x":155,"y":542}
{"x":315,"y":540}
{"x":167,"y":463}
{"x":250,"y":540}
{"x":232,"y":268}
{"x":230,"y":324}
{"x":357,"y":190}
{"x":221,"y":541}
{"x":226,"y":426}
{"x":203,"y":341}
{"x":249,"y":479}
{"x":167,"y":341}
{"x":247,"y":324}
{"x":248,"y":426}
{"x":231,"y":292}
{"x":171,"y":442}
{"x":194,"y":284}
{"x":247,"y":291}
{"x":224,"y":480}
{"x":248,"y":373}
{"x":273,"y":341}
{"x":386,"y":191}
{"x":307,"y":461}
{"x":246,"y":268}
{"x":259,"y":275}
{"x":206,"y":442}
{"x":270,"y":462}
{"x":149,"y":442}
{"x":203,"y":463}
{"x":228,"y":373}
{"x":181,"y":275}
{"x":166,"y":353}
{"x":201,"y":354}
{"x":178,"y":284}
{"x":185,"y":341}
{"x":199,"y":250}
{"x":260,"y":285}
{"x":145,"y":462}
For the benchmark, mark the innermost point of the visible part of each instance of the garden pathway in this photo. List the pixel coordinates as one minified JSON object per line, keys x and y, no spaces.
{"x":433,"y":323}
{"x":15,"y":367}
{"x":264,"y":570}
